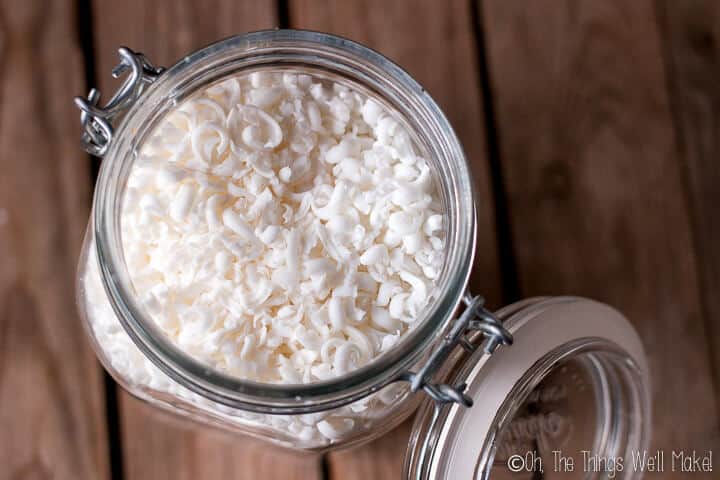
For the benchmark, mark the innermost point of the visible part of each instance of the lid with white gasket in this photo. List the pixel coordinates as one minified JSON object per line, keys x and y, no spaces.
{"x":569,"y":399}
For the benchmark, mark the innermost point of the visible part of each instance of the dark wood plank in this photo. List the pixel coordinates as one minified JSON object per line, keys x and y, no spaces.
{"x":692,"y":33}
{"x":159,"y":445}
{"x":597,"y":200}
{"x":153,"y":447}
{"x":434,"y":41}
{"x":51,"y":391}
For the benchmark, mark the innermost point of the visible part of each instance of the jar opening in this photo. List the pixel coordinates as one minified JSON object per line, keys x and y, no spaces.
{"x":332,"y":56}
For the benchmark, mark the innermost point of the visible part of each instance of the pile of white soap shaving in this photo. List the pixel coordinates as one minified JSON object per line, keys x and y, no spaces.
{"x":279,"y":228}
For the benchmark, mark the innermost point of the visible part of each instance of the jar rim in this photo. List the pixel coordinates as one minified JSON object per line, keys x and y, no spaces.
{"x":362,"y":65}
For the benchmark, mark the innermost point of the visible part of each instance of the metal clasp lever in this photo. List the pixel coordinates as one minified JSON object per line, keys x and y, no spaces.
{"x":475,"y":318}
{"x":96,"y":121}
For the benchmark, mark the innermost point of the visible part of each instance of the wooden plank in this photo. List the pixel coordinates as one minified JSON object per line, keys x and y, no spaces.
{"x":153,"y":447}
{"x":51,"y":391}
{"x":434,"y":41}
{"x":158,"y":445}
{"x":596,"y":194}
{"x":691,"y":33}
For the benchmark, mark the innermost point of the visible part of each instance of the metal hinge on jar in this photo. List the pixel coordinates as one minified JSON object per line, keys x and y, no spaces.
{"x":96,"y":121}
{"x":475,"y":318}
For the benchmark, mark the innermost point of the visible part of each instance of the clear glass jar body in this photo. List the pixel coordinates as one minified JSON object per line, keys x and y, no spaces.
{"x":351,"y":409}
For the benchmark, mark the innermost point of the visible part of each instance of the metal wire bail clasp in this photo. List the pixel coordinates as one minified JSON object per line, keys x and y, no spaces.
{"x":96,"y":121}
{"x":475,"y":318}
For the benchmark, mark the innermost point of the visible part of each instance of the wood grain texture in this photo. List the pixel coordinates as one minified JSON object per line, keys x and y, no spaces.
{"x":166,"y":30}
{"x":596,"y":193}
{"x":159,"y":445}
{"x":153,"y":446}
{"x":52,"y":419}
{"x":434,"y":42}
{"x":691,"y":37}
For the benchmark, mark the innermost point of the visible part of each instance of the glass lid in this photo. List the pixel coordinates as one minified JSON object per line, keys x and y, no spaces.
{"x":570,"y":399}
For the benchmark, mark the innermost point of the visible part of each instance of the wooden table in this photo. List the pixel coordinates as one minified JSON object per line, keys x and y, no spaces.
{"x":592,"y":129}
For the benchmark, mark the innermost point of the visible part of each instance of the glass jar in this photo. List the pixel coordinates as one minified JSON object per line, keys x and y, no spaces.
{"x":458,"y":354}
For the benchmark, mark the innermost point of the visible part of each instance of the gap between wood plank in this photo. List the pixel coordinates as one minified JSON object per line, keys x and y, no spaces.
{"x":86,"y":40}
{"x":510,"y":285}
{"x":283,"y":13}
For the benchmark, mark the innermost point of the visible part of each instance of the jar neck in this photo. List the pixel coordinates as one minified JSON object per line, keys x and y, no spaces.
{"x":330,"y":56}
